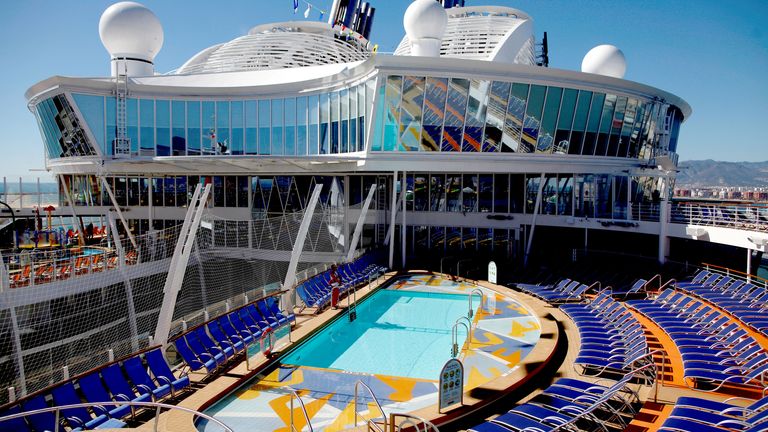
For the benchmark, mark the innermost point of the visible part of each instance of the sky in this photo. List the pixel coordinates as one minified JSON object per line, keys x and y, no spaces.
{"x":712,"y":53}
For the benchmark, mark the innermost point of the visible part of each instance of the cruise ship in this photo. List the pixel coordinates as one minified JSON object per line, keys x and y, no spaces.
{"x":284,"y":233}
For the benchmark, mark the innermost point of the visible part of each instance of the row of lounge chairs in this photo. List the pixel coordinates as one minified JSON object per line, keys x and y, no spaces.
{"x":215,"y":343}
{"x":48,"y":271}
{"x":142,"y":377}
{"x":692,"y":414}
{"x":612,"y":339}
{"x":562,"y":292}
{"x":316,"y":291}
{"x":570,"y":404}
{"x":746,"y":301}
{"x":715,"y":350}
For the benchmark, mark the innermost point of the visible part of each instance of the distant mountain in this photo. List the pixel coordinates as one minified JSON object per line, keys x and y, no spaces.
{"x":708,"y":172}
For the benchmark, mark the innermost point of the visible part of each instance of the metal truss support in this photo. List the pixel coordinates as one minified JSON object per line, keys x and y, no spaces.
{"x":360,"y":223}
{"x":533,"y":221}
{"x":119,"y":213}
{"x":81,"y":237}
{"x":179,"y":261}
{"x":298,"y":246}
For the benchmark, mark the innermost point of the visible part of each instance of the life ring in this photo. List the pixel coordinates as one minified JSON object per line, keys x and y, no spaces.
{"x":267,"y":333}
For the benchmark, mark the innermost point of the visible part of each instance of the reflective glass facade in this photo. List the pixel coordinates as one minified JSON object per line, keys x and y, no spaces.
{"x":328,"y":123}
{"x":470,"y":115}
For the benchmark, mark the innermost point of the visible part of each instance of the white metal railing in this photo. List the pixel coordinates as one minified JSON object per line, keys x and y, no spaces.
{"x":744,"y":217}
{"x":410,"y":422}
{"x":371,"y":422}
{"x":295,"y":395}
{"x":156,"y":405}
{"x":18,"y":194}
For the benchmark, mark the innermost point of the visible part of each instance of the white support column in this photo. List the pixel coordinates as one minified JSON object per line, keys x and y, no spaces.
{"x":298,"y":246}
{"x":116,"y":240}
{"x":749,"y":265}
{"x":119,"y":213}
{"x":403,"y":233}
{"x":533,"y":221}
{"x":17,"y":351}
{"x":390,"y":239}
{"x":179,"y":263}
{"x":361,"y":222}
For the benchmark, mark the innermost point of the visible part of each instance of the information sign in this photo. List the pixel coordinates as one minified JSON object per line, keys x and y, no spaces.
{"x":451,"y":384}
{"x":492,"y":272}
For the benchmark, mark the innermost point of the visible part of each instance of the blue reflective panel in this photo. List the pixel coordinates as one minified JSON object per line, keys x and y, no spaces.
{"x":325,"y":118}
{"x":111,"y":125}
{"x":313,"y":133}
{"x":579,"y":122}
{"x":132,"y":116}
{"x":209,"y":127}
{"x":363,"y":112}
{"x":290,"y":126}
{"x":476,"y":109}
{"x":494,"y":121}
{"x":434,"y":113}
{"x":277,"y":127}
{"x":237,"y":139}
{"x":251,"y":128}
{"x":634,"y":139}
{"x":344,"y":121}
{"x":595,"y":111}
{"x":410,"y":113}
{"x":437,"y":192}
{"x":565,"y":121}
{"x":178,"y":133}
{"x":453,"y":193}
{"x":548,"y":120}
{"x":532,"y":122}
{"x":606,"y":121}
{"x":301,"y":126}
{"x":335,"y":123}
{"x":677,"y":118}
{"x":92,"y":109}
{"x":626,"y":129}
{"x":194,"y":134}
{"x":501,"y":193}
{"x":147,"y":126}
{"x":50,"y":133}
{"x":455,"y":110}
{"x":376,"y":143}
{"x":222,"y":141}
{"x":265,"y":114}
{"x":391,"y":115}
{"x":163,"y":122}
{"x":513,"y":124}
{"x":352,"y":119}
{"x":616,"y":125}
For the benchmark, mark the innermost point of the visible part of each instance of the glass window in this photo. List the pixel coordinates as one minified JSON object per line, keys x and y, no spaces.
{"x":237,"y":140}
{"x":437,"y":238}
{"x":92,"y":109}
{"x":251,"y":128}
{"x":344,"y":121}
{"x":221,"y":142}
{"x":277,"y":127}
{"x":147,"y":125}
{"x":590,"y":137}
{"x":218,"y":191}
{"x":391,"y":104}
{"x":325,"y":118}
{"x":434,"y":113}
{"x":163,"y":122}
{"x":209,"y":127}
{"x":453,"y":196}
{"x":476,"y":107}
{"x":410,"y":113}
{"x":532,"y":122}
{"x":549,"y":118}
{"x":516,"y":193}
{"x":353,"y":120}
{"x":178,"y":131}
{"x":157,"y":192}
{"x":265,"y":112}
{"x":169,"y":191}
{"x":469,"y":238}
{"x":458,"y":90}
{"x":194,"y":134}
{"x":501,"y":193}
{"x":497,"y":110}
{"x":111,"y":125}
{"x":334,"y":130}
{"x":230,"y":191}
{"x":144,"y":191}
{"x":605,"y":125}
{"x":362,"y":106}
{"x":132,"y":117}
{"x":616,"y":125}
{"x":485,"y":193}
{"x":580,"y":122}
{"x":564,"y":195}
{"x":313,"y":104}
{"x":290,"y":127}
{"x":565,"y":121}
{"x":133,"y":191}
{"x":531,"y":192}
{"x":437,"y":192}
{"x":301,"y":126}
{"x":181,"y":191}
{"x":121,"y":191}
{"x":453,"y":238}
{"x":513,"y":125}
{"x":626,"y":129}
{"x":469,"y":192}
{"x":242,"y":191}
{"x":421,"y":192}
{"x":634,"y":139}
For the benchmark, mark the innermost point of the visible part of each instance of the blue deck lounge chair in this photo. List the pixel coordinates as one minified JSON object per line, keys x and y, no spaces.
{"x":95,"y":392}
{"x":141,"y":379}
{"x":80,"y":418}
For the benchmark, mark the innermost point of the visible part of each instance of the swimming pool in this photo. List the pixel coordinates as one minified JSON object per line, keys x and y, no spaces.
{"x":397,"y":345}
{"x":400,"y":333}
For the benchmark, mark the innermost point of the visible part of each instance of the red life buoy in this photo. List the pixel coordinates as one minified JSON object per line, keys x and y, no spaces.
{"x":267,"y":333}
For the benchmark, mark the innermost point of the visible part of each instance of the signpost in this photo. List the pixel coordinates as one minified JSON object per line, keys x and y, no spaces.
{"x":451,"y":384}
{"x":492,"y":272}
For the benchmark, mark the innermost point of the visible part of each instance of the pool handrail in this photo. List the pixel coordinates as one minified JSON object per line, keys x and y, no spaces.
{"x":376,"y":400}
{"x":410,"y":423}
{"x":303,"y":410}
{"x":157,"y":405}
{"x":470,"y":311}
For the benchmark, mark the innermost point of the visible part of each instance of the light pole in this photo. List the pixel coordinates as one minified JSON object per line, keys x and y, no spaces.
{"x":13,"y":224}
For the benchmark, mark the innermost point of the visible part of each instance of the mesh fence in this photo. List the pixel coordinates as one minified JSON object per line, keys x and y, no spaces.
{"x":80,"y":311}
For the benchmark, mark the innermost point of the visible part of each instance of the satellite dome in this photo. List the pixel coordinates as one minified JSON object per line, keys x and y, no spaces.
{"x":605,"y":60}
{"x":129,"y":29}
{"x":425,"y":19}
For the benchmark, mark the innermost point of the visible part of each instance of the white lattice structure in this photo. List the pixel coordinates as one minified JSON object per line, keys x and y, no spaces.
{"x":280,"y":46}
{"x":491,"y":33}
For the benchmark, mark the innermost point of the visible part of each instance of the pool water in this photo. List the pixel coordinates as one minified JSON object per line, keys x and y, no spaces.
{"x":400,"y":333}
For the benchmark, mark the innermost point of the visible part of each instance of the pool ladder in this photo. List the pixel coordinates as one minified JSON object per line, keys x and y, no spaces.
{"x":352,"y":304}
{"x":296,"y":396}
{"x":389,"y":423}
{"x":455,"y":334}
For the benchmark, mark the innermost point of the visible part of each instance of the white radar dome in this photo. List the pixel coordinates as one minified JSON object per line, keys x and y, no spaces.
{"x":425,"y":19}
{"x":130,"y":30}
{"x":605,"y":60}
